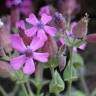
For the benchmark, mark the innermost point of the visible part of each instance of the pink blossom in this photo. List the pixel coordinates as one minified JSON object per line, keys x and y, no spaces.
{"x":29,"y":54}
{"x":40,"y":27}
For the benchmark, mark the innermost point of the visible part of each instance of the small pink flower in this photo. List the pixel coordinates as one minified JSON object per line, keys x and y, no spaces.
{"x":40,"y":27}
{"x":29,"y":54}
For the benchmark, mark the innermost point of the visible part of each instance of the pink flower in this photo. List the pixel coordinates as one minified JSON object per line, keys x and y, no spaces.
{"x":40,"y":27}
{"x":29,"y":54}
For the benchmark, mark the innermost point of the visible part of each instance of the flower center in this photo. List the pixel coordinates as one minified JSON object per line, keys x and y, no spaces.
{"x":40,"y":25}
{"x":28,"y":53}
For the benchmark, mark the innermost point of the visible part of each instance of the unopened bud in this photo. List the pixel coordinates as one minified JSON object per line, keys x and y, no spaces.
{"x":51,"y":47}
{"x":91,"y":38}
{"x":59,"y":19}
{"x":81,"y":28}
{"x":62,"y":62}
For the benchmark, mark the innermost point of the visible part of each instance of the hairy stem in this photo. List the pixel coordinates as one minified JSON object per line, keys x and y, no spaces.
{"x":24,"y":89}
{"x":3,"y":91}
{"x":70,"y":82}
{"x":83,"y":81}
{"x":29,"y":89}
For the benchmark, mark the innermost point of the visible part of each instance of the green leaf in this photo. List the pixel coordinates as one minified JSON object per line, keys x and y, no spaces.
{"x":77,"y":60}
{"x":94,"y":93}
{"x":21,"y":93}
{"x":20,"y":75}
{"x":67,"y":40}
{"x":54,"y":61}
{"x":39,"y":83}
{"x":76,"y":93}
{"x":7,"y":58}
{"x":21,"y":78}
{"x":42,"y":94}
{"x":57,"y":84}
{"x":78,"y":42}
{"x":70,"y":73}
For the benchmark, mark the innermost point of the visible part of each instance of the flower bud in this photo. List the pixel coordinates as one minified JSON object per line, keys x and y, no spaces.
{"x":2,"y":53}
{"x":51,"y":47}
{"x":5,"y":69}
{"x":59,"y":20}
{"x":91,"y":38}
{"x":80,"y":29}
{"x":5,"y":35}
{"x":15,"y":16}
{"x":69,"y":7}
{"x":62,"y":62}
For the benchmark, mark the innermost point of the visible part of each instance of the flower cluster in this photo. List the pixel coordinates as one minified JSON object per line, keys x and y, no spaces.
{"x":30,"y":54}
{"x":50,"y":38}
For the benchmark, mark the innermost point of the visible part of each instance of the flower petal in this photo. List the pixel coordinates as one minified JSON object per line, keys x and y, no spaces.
{"x":20,"y":24}
{"x":36,"y":44}
{"x":41,"y":34}
{"x":17,"y":43}
{"x":31,"y":32}
{"x":42,"y":57}
{"x":18,"y":62}
{"x":45,"y":10}
{"x":45,"y":18}
{"x":75,"y":49}
{"x":29,"y":67}
{"x":82,"y":46}
{"x":62,"y":40}
{"x":32,"y":19}
{"x":50,"y":30}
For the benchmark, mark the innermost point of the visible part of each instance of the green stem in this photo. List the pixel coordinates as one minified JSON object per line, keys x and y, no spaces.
{"x":57,"y":94}
{"x":3,"y":91}
{"x":52,"y":71}
{"x":13,"y":93}
{"x":70,"y":82}
{"x":68,"y":22}
{"x":24,"y":89}
{"x":29,"y":89}
{"x":38,"y":92}
{"x":83,"y":82}
{"x":69,"y":88}
{"x":38,"y":77}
